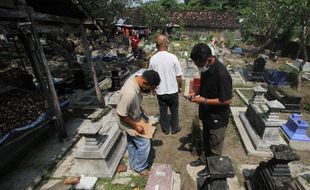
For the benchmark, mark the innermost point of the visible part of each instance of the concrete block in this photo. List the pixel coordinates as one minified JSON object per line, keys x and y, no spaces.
{"x":86,"y":183}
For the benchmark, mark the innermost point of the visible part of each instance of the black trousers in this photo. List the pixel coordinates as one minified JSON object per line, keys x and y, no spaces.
{"x":171,"y":101}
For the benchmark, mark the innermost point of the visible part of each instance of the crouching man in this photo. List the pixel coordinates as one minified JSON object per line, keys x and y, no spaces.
{"x":129,"y":111}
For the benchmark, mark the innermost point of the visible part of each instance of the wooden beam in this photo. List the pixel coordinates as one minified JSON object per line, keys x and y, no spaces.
{"x":55,"y":29}
{"x":52,"y":95}
{"x":53,"y":18}
{"x":7,"y":13}
{"x":87,"y":54}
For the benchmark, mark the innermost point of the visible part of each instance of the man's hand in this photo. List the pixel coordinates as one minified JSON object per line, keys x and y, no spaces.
{"x":191,"y":95}
{"x":199,"y":100}
{"x":139,"y":128}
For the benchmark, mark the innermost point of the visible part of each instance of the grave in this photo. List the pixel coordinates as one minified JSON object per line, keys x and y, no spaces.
{"x":261,"y":123}
{"x":291,"y":102}
{"x":163,"y":177}
{"x":274,"y":174}
{"x":297,"y":62}
{"x":103,"y":149}
{"x":220,"y":168}
{"x":295,"y":131}
{"x":190,"y":70}
{"x":255,"y":72}
{"x":236,"y":76}
{"x":275,"y":78}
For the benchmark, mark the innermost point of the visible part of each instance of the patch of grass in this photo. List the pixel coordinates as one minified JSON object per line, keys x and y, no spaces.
{"x":135,"y":182}
{"x":243,"y":86}
{"x":247,"y":93}
{"x":236,"y":101}
{"x":139,"y":181}
{"x":287,"y":68}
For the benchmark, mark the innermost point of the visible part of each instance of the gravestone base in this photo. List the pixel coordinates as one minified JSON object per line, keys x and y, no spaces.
{"x":296,"y":144}
{"x":101,"y":153}
{"x":246,"y":140}
{"x":257,"y":142}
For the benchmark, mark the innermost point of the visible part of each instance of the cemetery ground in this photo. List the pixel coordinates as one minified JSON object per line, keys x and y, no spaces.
{"x":166,"y":149}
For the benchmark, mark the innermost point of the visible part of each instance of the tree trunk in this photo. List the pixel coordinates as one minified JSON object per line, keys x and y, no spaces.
{"x":304,"y":49}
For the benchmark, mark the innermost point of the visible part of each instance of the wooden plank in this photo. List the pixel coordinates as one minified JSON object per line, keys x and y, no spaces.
{"x":88,"y":58}
{"x":52,"y":95}
{"x":46,"y":17}
{"x":6,"y":13}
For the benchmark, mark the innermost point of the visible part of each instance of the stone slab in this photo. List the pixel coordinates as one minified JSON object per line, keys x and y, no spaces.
{"x":297,"y":145}
{"x":86,"y":183}
{"x":161,"y":178}
{"x":248,"y":145}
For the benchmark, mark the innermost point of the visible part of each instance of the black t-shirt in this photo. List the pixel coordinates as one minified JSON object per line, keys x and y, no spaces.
{"x":216,"y":82}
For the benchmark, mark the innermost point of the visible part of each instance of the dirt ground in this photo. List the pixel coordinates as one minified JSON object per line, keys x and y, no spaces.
{"x":168,"y":148}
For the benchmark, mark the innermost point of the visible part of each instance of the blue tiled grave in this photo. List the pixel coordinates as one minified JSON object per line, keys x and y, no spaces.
{"x":296,"y":128}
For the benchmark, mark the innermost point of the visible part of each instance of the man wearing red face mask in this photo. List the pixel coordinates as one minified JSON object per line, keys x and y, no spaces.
{"x":130,"y":111}
{"x":214,"y":98}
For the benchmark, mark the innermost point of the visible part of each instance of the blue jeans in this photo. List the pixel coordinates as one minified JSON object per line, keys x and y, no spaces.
{"x":171,"y":101}
{"x":138,"y":152}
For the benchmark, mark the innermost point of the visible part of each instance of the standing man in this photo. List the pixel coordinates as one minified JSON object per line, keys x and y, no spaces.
{"x":214,"y":98}
{"x":168,"y":67}
{"x":134,"y":41}
{"x":129,"y":111}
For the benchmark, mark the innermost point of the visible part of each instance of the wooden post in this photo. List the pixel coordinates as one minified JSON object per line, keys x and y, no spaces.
{"x":52,"y":95}
{"x":30,"y":50}
{"x":87,"y":54}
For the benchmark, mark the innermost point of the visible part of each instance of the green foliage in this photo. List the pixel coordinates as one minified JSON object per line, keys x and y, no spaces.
{"x":178,"y":32}
{"x":292,"y":78}
{"x":135,"y":182}
{"x":230,"y":40}
{"x":274,"y":19}
{"x":169,"y":4}
{"x":196,"y":36}
{"x":154,"y":15}
{"x":109,"y":11}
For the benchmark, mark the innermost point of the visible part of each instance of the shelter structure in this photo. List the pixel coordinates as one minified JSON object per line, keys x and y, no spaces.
{"x":29,"y":20}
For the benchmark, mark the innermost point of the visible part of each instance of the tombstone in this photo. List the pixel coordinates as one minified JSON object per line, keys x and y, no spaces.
{"x":163,"y":177}
{"x":236,"y":76}
{"x":116,"y":80}
{"x":261,"y":121}
{"x":220,"y":168}
{"x":255,"y":72}
{"x":274,"y":174}
{"x":296,"y":128}
{"x":292,"y":103}
{"x":297,"y":63}
{"x":103,"y":149}
{"x":259,"y":66}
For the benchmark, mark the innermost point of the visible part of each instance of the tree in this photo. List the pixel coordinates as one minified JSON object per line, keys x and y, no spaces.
{"x":169,"y":4}
{"x":302,"y":13}
{"x":154,"y":15}
{"x":276,"y":19}
{"x":267,"y":18}
{"x":107,"y":11}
